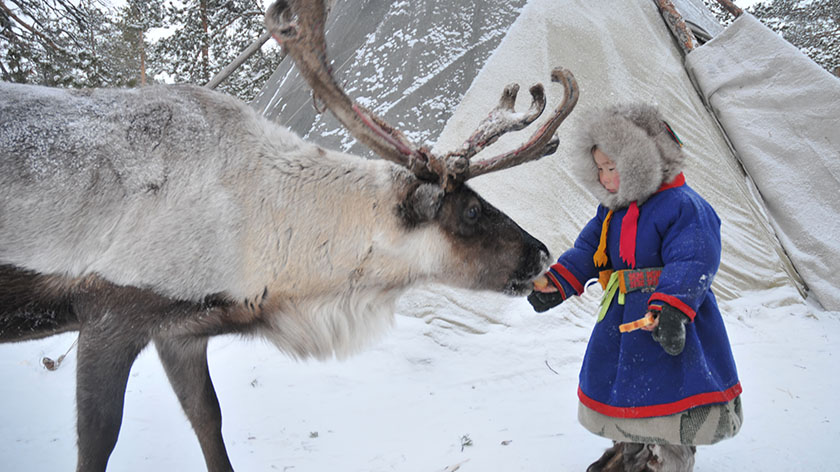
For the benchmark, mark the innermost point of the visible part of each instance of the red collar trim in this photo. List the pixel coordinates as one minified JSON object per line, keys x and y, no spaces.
{"x":678,"y":181}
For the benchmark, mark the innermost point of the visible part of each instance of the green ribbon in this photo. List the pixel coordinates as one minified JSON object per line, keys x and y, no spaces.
{"x":609,"y":294}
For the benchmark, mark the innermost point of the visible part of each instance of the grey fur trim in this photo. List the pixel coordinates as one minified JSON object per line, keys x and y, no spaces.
{"x":635,"y":138}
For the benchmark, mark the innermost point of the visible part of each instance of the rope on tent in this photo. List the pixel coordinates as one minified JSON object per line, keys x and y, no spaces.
{"x":675,"y":22}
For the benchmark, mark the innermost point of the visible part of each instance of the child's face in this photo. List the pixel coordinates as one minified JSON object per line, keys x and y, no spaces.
{"x":607,"y":173}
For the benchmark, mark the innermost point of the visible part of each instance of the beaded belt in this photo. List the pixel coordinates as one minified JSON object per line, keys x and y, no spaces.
{"x":626,"y":281}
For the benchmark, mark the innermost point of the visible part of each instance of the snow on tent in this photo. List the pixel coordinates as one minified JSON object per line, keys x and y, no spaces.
{"x":619,"y":52}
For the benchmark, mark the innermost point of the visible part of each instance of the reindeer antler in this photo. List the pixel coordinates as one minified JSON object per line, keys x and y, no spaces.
{"x":298,"y":25}
{"x":502,"y":119}
{"x":542,"y":143}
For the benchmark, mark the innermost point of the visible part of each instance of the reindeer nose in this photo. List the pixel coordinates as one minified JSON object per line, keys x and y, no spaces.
{"x":536,"y":252}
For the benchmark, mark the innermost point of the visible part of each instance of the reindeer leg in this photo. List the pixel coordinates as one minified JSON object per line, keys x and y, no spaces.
{"x":185,"y":361}
{"x":104,"y":362}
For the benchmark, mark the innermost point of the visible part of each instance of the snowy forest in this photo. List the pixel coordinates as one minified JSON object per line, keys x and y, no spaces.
{"x":105,"y":43}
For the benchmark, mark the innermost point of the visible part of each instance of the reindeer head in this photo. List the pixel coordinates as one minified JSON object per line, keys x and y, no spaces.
{"x":439,"y":192}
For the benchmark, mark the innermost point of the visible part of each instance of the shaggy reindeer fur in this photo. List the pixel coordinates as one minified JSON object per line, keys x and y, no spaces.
{"x":173,"y":213}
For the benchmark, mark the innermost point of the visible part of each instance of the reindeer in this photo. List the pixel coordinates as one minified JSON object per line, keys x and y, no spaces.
{"x":170,"y":214}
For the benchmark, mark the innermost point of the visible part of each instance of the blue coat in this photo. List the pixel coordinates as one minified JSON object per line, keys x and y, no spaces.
{"x":630,"y":375}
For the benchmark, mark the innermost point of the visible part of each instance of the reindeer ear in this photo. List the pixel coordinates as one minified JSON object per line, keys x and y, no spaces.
{"x":422,"y":204}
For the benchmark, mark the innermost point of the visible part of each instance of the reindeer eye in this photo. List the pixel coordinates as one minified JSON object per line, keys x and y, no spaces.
{"x":472,"y":213}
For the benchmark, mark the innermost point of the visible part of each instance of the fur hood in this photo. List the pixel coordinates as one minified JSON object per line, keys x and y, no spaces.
{"x":636,"y":138}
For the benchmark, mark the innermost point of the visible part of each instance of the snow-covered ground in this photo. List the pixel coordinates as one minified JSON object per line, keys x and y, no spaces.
{"x":446,"y":389}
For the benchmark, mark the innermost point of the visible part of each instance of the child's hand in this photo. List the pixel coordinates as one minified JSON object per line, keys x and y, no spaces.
{"x":670,"y":330}
{"x":544,"y":301}
{"x":545,"y":295}
{"x":653,"y":325}
{"x":542,"y":284}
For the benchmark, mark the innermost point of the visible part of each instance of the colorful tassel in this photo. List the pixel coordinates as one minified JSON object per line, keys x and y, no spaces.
{"x":672,"y":134}
{"x":600,"y":257}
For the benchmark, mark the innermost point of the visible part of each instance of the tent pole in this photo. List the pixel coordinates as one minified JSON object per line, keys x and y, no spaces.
{"x":675,"y":22}
{"x":243,"y":56}
{"x":731,"y":8}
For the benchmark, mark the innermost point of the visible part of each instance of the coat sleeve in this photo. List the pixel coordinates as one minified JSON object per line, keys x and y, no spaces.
{"x":691,"y":250}
{"x":575,"y":266}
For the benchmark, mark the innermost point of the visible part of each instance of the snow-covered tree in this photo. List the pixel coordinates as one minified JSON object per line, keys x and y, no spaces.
{"x":813,"y":26}
{"x":54,"y":42}
{"x":79,"y":43}
{"x":134,"y":20}
{"x":208,"y":35}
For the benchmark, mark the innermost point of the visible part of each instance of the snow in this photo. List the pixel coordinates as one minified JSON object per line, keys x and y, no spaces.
{"x":463,"y":381}
{"x":448,"y":388}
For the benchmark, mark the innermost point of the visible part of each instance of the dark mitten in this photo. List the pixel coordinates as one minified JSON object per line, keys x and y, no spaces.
{"x":670,"y":332}
{"x":543,"y":301}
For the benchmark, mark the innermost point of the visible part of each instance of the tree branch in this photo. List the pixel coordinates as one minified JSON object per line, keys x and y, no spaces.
{"x":31,"y":29}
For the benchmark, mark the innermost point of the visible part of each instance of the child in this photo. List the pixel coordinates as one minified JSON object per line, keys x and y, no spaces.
{"x":655,"y":245}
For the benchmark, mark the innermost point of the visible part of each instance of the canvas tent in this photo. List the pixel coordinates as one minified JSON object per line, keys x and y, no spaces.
{"x":781,"y":112}
{"x":619,"y":51}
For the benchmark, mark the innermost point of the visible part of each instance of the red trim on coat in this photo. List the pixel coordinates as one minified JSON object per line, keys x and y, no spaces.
{"x":573,"y":281}
{"x":664,"y":409}
{"x":557,"y":284}
{"x":678,"y":181}
{"x":674,"y":302}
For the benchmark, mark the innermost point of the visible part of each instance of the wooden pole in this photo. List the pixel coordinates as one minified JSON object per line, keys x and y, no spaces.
{"x":731,"y":8}
{"x":243,"y":56}
{"x":675,"y":22}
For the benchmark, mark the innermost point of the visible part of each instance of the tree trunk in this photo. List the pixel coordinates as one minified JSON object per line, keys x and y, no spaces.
{"x":205,"y":44}
{"x":142,"y":60}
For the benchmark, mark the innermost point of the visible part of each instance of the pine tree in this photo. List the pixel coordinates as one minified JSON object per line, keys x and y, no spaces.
{"x":813,"y":26}
{"x":135,"y":19}
{"x":79,"y":43}
{"x":51,"y":42}
{"x":208,"y":35}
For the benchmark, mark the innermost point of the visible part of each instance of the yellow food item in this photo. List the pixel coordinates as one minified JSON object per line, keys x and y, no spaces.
{"x":634,"y":325}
